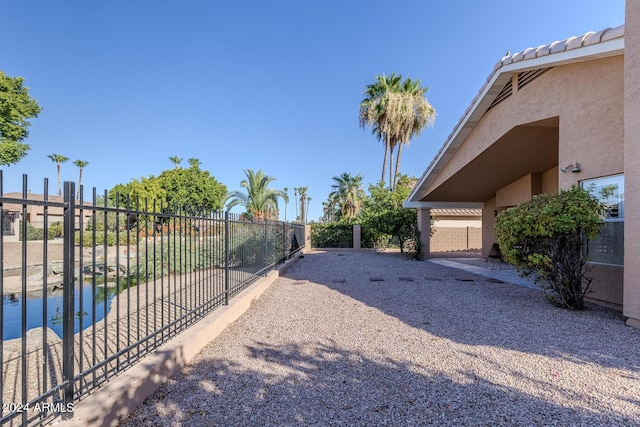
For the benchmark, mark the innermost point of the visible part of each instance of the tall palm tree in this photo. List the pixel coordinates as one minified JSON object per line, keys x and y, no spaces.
{"x":302,"y":193}
{"x":80,"y":164}
{"x":348,"y":193}
{"x":176,"y":161}
{"x":259,"y":200}
{"x":58,"y":159}
{"x":194,"y":162}
{"x":413,"y":113}
{"x":285,"y":197}
{"x":396,"y":111}
{"x":373,"y":113}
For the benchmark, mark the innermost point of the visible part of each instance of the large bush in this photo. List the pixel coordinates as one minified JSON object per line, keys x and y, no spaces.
{"x":334,"y":235}
{"x":547,"y":237}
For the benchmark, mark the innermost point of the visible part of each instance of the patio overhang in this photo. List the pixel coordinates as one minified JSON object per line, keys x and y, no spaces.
{"x":528,"y":148}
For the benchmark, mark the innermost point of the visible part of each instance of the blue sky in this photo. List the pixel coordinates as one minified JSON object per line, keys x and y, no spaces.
{"x":271,"y":85}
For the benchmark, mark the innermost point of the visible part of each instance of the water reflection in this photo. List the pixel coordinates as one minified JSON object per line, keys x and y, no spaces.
{"x":12,"y":307}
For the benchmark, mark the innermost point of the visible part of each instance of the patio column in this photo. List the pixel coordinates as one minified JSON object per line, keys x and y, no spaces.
{"x":424,"y":225}
{"x":631,"y":299}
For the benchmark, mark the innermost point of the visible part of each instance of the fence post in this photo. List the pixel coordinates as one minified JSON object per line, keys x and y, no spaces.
{"x":284,"y":241}
{"x":226,"y":258}
{"x":68,"y":297}
{"x":266,"y":245}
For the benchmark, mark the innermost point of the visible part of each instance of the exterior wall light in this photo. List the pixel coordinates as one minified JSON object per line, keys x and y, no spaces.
{"x":574,"y":167}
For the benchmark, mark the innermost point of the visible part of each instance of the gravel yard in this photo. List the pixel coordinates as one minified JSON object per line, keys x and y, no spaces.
{"x":366,"y":338}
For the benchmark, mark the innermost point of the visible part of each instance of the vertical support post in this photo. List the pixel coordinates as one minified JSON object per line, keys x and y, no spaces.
{"x":467,"y":238}
{"x":68,"y":296}
{"x":284,"y":242}
{"x":424,"y":225}
{"x":226,"y":258}
{"x":266,"y":244}
{"x":357,"y":236}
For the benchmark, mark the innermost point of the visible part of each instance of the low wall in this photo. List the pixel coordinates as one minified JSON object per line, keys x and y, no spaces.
{"x":12,"y":253}
{"x":447,"y":239}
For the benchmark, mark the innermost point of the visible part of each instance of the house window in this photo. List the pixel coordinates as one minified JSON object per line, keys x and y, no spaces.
{"x":608,"y":246}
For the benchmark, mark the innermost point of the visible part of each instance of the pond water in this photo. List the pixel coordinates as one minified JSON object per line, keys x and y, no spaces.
{"x":12,"y":305}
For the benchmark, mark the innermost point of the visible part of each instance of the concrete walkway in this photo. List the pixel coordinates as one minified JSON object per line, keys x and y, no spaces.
{"x":507,"y":275}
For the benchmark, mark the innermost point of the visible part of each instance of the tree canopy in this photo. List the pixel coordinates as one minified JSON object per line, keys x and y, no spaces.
{"x":187,"y":189}
{"x":259,"y":200}
{"x":16,"y":107}
{"x":396,"y":111}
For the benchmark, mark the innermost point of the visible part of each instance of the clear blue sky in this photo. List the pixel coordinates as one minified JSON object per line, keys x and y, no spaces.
{"x":271,"y":85}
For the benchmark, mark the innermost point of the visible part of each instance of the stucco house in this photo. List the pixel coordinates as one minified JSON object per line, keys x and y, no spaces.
{"x":561,"y":114}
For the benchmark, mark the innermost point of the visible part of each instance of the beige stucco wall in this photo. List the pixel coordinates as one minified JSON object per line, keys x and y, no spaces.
{"x":519,"y":191}
{"x":632,"y":163}
{"x":550,"y":181}
{"x":448,"y":239}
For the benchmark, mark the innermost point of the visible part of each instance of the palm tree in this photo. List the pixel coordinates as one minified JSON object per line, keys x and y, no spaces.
{"x":413,"y":113}
{"x":396,"y":111}
{"x":176,"y":161}
{"x":80,"y":164}
{"x":302,"y":193}
{"x":373,"y":113}
{"x":259,"y":200}
{"x":194,"y":162}
{"x":348,"y":194}
{"x":58,"y":159}
{"x":285,"y":197}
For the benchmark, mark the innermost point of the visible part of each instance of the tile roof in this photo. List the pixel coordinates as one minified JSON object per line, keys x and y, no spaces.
{"x":456,"y":212}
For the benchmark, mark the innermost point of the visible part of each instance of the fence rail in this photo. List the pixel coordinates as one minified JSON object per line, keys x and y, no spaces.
{"x":130,"y":279}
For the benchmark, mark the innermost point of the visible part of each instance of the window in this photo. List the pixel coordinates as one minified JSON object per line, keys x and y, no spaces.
{"x":608,"y":246}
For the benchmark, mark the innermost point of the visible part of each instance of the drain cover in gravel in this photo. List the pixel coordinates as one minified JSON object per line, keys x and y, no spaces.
{"x":376,"y":279}
{"x":434,"y":279}
{"x":300,"y":282}
{"x":463,"y":279}
{"x":490,"y":280}
{"x":406,"y":279}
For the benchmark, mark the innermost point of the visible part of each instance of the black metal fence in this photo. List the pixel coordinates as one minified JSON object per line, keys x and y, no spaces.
{"x":121,"y":280}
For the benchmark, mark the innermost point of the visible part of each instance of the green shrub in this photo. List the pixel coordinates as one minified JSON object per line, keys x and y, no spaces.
{"x":334,"y":235}
{"x":34,"y":233}
{"x":547,"y":237}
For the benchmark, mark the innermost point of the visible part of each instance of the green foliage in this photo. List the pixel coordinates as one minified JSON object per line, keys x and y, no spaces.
{"x":16,"y":107}
{"x":100,"y":238}
{"x":34,"y":233}
{"x":384,"y":214}
{"x":259,"y":200}
{"x":396,"y":111}
{"x":347,"y":196}
{"x":548,"y":237}
{"x":187,"y":189}
{"x":334,"y":235}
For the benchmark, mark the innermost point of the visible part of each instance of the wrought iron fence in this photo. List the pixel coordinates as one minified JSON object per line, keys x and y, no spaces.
{"x":122,"y":280}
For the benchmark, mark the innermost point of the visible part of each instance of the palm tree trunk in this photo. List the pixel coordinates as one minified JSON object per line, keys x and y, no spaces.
{"x":395,"y":179}
{"x":59,"y":183}
{"x":391,"y":170}
{"x":386,"y":156}
{"x":79,"y":183}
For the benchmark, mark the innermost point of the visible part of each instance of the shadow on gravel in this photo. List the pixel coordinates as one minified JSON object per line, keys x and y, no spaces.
{"x":472,"y":309}
{"x":322,"y":384}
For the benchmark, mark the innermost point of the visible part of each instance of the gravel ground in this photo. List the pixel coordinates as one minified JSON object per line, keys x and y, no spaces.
{"x":365,"y":338}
